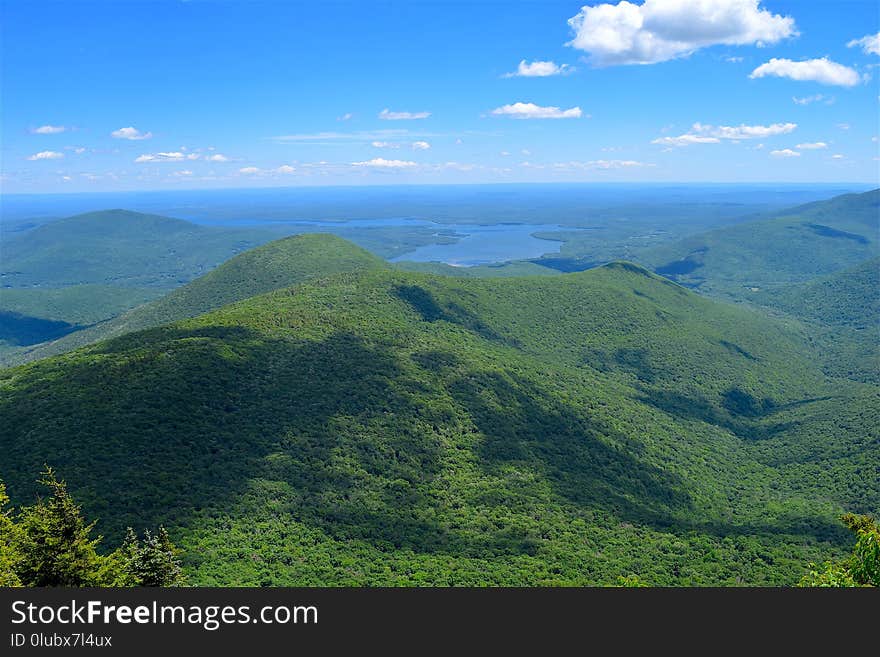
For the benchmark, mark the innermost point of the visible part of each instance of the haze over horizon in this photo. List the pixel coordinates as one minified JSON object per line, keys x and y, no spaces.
{"x":185,"y":95}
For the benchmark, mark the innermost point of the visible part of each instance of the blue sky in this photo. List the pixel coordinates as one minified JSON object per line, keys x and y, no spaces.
{"x":179,"y":95}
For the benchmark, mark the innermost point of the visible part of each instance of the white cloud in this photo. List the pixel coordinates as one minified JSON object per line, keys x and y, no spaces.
{"x":420,"y":145}
{"x":708,"y":134}
{"x":660,"y":30}
{"x":685,"y":140}
{"x":183,"y":173}
{"x":837,"y":156}
{"x":785,"y":152}
{"x":79,"y":150}
{"x":385,"y":144}
{"x":48,"y":130}
{"x":131,"y":133}
{"x":458,"y":142}
{"x":806,"y":100}
{"x":382,"y":163}
{"x":744,"y":131}
{"x":823,"y":71}
{"x":539,"y":70}
{"x":733,"y":60}
{"x":532,"y":111}
{"x":345,"y":117}
{"x":162,"y":157}
{"x":249,"y":170}
{"x":504,"y":153}
{"x":361,"y":135}
{"x":388,"y":115}
{"x":526,"y":152}
{"x":843,"y":126}
{"x":46,"y":155}
{"x":812,"y":147}
{"x":870,"y":44}
{"x":285,"y":168}
{"x":217,"y":157}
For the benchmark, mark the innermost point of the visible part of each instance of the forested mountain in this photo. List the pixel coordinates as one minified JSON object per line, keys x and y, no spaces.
{"x":812,"y":240}
{"x":387,"y":427}
{"x":64,"y":275}
{"x":120,"y":248}
{"x":281,"y":263}
{"x":842,"y":314}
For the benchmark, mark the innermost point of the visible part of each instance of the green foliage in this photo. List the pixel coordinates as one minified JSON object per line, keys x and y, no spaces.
{"x":386,"y":428}
{"x":862,"y":568}
{"x":841,"y":314}
{"x":54,"y":541}
{"x":151,"y":562}
{"x":50,"y":544}
{"x":9,"y":554}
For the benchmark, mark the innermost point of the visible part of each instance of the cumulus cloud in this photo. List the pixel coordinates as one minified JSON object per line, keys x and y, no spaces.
{"x":382,"y":163}
{"x":785,"y":152}
{"x":823,"y":71}
{"x":183,"y":173}
{"x":685,"y":140}
{"x":532,"y":111}
{"x":286,"y":168}
{"x":869,"y":44}
{"x":217,"y":157}
{"x":345,"y":117}
{"x":131,"y":133}
{"x":539,"y":70}
{"x":709,"y":134}
{"x":837,"y":156}
{"x":48,"y":130}
{"x":744,"y":131}
{"x":420,"y":145}
{"x":175,"y":156}
{"x":385,"y":144}
{"x":388,"y":115}
{"x":815,"y":146}
{"x":249,"y":170}
{"x":46,"y":155}
{"x":660,"y":30}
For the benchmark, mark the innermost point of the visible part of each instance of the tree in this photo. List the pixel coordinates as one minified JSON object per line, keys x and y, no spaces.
{"x":54,"y":541}
{"x":151,"y":563}
{"x":861,"y":568}
{"x":50,"y":544}
{"x":9,"y":555}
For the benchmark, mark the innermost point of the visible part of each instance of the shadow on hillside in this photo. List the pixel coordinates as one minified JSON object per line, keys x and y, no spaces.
{"x":24,"y":330}
{"x":588,"y":464}
{"x":169,"y":425}
{"x":739,"y":412}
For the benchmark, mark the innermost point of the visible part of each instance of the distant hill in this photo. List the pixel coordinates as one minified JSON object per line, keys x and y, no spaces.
{"x":120,"y":248}
{"x":811,"y":240}
{"x":385,"y":427}
{"x":281,"y":263}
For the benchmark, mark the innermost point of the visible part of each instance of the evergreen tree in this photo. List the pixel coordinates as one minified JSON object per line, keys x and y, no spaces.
{"x":9,"y":555}
{"x":54,"y":541}
{"x":155,"y":561}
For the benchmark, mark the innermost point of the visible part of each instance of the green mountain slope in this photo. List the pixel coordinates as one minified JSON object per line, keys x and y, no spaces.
{"x":63,"y":275}
{"x":387,"y":427}
{"x":281,"y":263}
{"x":811,"y":240}
{"x":842,"y":314}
